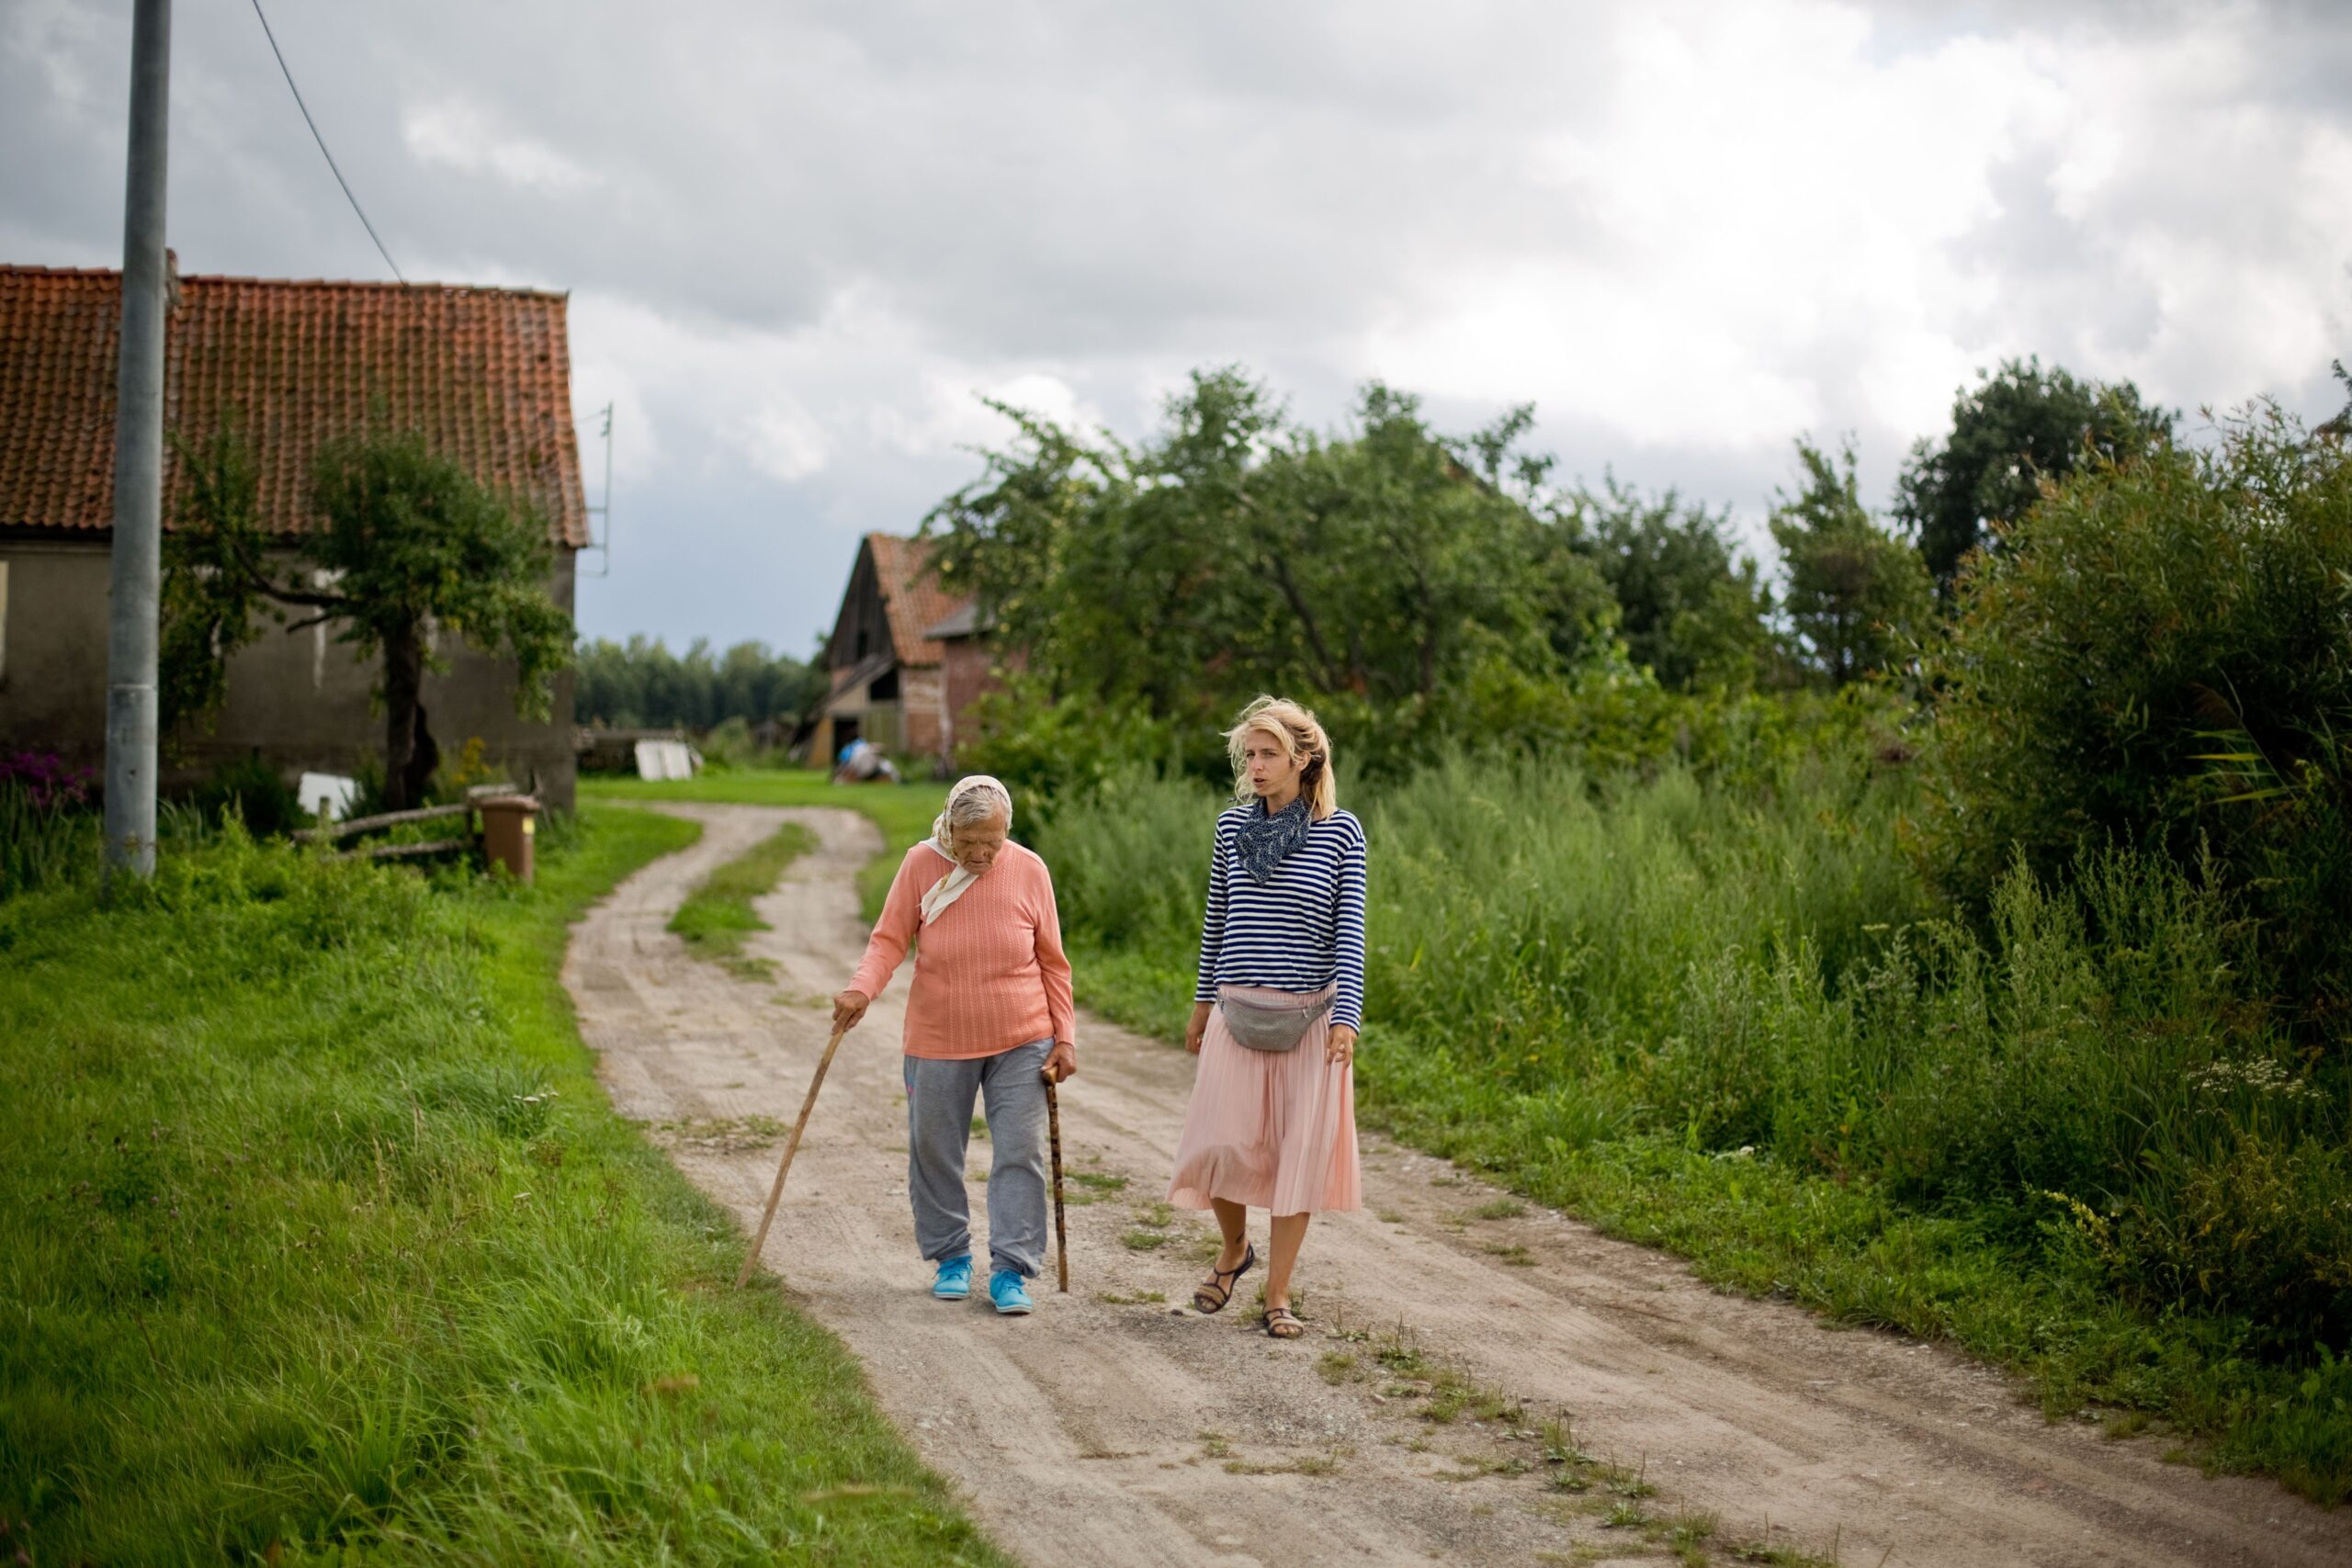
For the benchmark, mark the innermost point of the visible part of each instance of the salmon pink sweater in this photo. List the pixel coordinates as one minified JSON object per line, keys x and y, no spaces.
{"x":990,"y":972}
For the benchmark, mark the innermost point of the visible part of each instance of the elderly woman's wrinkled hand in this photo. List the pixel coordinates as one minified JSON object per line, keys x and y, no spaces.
{"x":848,"y":1008}
{"x":1061,"y":1062}
{"x":1339,"y":1045}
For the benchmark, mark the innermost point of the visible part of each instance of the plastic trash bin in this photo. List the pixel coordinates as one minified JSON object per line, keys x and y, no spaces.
{"x":509,"y":824}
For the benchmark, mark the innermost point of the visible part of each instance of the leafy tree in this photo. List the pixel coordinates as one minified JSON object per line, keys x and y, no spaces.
{"x":2020,"y":426}
{"x":1692,"y":608}
{"x":2340,"y":425}
{"x":2161,"y":653}
{"x":1857,"y":595}
{"x":1233,"y":552}
{"x":405,"y":540}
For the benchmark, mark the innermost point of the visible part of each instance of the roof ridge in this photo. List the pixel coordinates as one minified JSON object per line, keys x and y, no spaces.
{"x":412,"y":287}
{"x":35,"y":269}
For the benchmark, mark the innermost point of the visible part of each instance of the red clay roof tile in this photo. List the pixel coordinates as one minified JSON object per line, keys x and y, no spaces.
{"x":485,"y":374}
{"x":913,"y":595}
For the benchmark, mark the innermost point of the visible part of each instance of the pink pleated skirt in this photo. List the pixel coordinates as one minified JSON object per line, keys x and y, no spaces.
{"x":1273,"y":1130}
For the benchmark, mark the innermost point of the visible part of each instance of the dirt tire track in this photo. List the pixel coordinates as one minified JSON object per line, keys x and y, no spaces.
{"x":1076,"y":1433}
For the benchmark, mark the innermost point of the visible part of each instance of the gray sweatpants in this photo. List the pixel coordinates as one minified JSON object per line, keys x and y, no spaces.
{"x":938,"y":1129}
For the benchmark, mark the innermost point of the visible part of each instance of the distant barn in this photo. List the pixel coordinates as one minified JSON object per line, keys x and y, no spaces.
{"x":484,"y":374}
{"x":907,"y":658}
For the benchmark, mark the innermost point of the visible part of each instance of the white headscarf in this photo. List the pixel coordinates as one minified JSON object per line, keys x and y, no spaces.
{"x":975,"y":798}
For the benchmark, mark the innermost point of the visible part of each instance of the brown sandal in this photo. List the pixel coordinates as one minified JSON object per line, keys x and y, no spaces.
{"x":1282,"y":1323}
{"x":1222,"y":1281}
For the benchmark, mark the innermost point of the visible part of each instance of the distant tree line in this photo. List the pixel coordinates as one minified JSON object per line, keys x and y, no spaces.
{"x":640,"y":684}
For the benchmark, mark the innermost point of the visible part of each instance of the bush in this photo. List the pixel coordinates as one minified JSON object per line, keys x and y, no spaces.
{"x":255,"y":792}
{"x":2160,"y":654}
{"x":1051,"y":751}
{"x":1609,"y":719}
{"x":729,"y":744}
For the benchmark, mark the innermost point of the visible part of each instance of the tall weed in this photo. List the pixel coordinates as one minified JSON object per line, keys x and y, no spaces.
{"x":43,"y":843}
{"x":1555,"y":962}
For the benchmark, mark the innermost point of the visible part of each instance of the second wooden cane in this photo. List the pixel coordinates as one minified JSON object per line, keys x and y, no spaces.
{"x":1053,"y":1140}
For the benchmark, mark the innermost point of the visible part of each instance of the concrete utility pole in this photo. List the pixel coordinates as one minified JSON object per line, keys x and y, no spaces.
{"x":135,"y":601}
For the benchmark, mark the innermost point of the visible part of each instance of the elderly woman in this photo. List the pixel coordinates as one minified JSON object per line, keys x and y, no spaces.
{"x":989,"y":1012}
{"x":1273,"y":1121}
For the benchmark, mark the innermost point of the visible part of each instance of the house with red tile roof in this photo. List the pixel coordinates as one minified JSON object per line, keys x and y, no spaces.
{"x":907,"y":657}
{"x":484,"y":374}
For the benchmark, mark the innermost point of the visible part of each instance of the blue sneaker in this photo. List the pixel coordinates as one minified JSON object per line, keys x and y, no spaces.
{"x":954,"y":1281}
{"x":1010,"y":1294}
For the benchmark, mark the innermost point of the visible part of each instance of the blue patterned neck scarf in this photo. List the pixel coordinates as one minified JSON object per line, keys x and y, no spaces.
{"x":1267,"y":839}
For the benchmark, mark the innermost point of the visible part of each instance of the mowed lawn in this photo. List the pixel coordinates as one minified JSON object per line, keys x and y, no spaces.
{"x":319,"y":1241}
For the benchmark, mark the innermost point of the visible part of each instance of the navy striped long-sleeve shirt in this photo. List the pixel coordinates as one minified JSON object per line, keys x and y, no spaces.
{"x":1302,"y":930}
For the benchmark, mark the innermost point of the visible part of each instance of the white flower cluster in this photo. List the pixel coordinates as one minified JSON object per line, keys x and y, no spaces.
{"x":2260,"y":1075}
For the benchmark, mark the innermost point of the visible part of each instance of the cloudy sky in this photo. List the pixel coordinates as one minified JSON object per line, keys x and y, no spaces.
{"x":799,"y":239}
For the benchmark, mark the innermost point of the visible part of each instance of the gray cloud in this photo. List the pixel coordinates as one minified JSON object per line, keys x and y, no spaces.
{"x":800,"y":236}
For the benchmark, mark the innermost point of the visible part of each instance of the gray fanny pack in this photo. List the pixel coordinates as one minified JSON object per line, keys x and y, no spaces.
{"x":1270,"y":1026}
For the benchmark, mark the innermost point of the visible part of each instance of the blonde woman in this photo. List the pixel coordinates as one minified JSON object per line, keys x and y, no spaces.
{"x":989,"y":1012}
{"x":1273,"y":1122}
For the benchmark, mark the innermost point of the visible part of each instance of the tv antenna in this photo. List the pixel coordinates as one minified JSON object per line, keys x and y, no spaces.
{"x":603,"y":547}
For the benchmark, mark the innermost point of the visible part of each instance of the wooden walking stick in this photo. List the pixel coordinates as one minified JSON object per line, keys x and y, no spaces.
{"x":1053,"y":1138}
{"x":791,"y":1147}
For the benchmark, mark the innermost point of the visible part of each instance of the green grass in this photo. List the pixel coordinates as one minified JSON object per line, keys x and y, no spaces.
{"x":717,"y":916}
{"x":903,"y":812}
{"x":319,"y":1241}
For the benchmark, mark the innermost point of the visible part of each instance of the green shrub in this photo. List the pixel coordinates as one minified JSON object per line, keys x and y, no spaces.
{"x":2260,"y":1227}
{"x":1051,"y":750}
{"x":728,"y":744}
{"x":2161,"y":653}
{"x":255,"y":792}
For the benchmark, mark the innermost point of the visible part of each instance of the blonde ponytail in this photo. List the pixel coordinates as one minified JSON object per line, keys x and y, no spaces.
{"x":1298,"y":731}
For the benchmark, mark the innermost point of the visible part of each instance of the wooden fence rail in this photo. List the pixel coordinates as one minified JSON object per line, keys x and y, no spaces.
{"x":408,"y":852}
{"x":385,"y":820}
{"x":497,"y":823}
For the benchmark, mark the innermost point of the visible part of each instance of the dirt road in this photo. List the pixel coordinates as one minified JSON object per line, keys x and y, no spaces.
{"x":1115,"y":1428}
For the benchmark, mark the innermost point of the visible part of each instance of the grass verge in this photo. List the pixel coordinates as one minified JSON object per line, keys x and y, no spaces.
{"x":718,"y":915}
{"x":319,"y":1241}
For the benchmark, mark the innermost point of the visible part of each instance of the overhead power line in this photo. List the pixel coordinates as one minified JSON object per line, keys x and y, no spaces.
{"x":322,"y":142}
